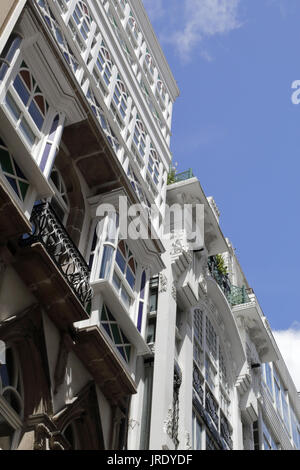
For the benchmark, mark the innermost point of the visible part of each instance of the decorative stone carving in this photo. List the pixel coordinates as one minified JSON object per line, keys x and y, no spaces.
{"x":168,"y":423}
{"x":174,"y":292}
{"x":163,"y":283}
{"x":188,"y":444}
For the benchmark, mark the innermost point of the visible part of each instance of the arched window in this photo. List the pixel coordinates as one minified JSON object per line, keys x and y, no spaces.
{"x":12,"y":172}
{"x":13,"y":44}
{"x":139,"y":137}
{"x":97,"y":110}
{"x":58,"y":34}
{"x":126,"y":263}
{"x":26,"y":105}
{"x":153,"y":166}
{"x":31,"y":95}
{"x":11,"y":391}
{"x":104,"y":63}
{"x":120,"y":97}
{"x":161,"y":89}
{"x":60,"y":201}
{"x":138,"y":189}
{"x":149,"y":66}
{"x":133,"y":29}
{"x":83,"y":19}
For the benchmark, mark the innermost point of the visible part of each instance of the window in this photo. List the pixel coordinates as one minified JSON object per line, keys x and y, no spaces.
{"x":196,"y":432}
{"x":142,"y":301}
{"x":133,"y":29}
{"x":198,"y":325}
{"x":161,"y":89}
{"x":126,"y":263}
{"x":268,"y":439}
{"x":51,"y":146}
{"x":269,"y":377}
{"x":153,"y":166}
{"x":153,"y":294}
{"x":12,"y":172}
{"x":120,"y":98}
{"x":115,"y":333}
{"x":82,"y":19}
{"x":27,"y":105}
{"x":98,"y":112}
{"x":149,"y":66}
{"x":210,"y":374}
{"x":277,"y":393}
{"x":60,"y":202}
{"x":104,"y":64}
{"x":13,"y":44}
{"x":139,"y":137}
{"x":58,"y":35}
{"x":138,"y":189}
{"x":11,"y":390}
{"x":211,"y":339}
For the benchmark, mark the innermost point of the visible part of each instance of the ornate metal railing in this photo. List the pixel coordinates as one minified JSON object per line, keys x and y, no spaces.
{"x":211,"y":407}
{"x":238,"y":295}
{"x":225,"y":431}
{"x":50,"y":232}
{"x":185,"y":175}
{"x":235,"y":295}
{"x":197,"y":383}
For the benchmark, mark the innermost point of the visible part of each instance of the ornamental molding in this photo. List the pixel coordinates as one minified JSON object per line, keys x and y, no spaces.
{"x":163,"y":283}
{"x":181,"y":257}
{"x":174,"y":292}
{"x":168,"y":422}
{"x":188,"y":444}
{"x":244,"y":382}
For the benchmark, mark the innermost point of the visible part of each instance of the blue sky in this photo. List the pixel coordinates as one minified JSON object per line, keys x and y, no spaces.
{"x":235,"y":125}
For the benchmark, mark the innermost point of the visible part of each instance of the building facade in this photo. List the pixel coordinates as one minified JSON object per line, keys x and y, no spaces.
{"x":108,"y":340}
{"x":218,"y":378}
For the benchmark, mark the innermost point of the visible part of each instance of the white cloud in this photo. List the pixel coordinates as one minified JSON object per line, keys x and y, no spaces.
{"x":205,"y":18}
{"x":187,"y":23}
{"x":289,"y":344}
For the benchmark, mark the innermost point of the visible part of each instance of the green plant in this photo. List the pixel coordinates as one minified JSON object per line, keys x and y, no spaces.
{"x":221,"y":266}
{"x":172,"y":174}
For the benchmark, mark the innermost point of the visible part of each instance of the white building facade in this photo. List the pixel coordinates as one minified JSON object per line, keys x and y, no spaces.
{"x":109,"y":341}
{"x":218,"y":379}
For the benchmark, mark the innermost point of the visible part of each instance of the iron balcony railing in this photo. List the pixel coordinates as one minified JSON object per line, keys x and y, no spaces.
{"x":185,"y":175}
{"x":50,"y":232}
{"x":235,"y":295}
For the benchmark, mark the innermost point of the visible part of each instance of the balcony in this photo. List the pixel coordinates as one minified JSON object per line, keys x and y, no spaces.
{"x":52,"y":267}
{"x":235,"y":295}
{"x":176,"y":178}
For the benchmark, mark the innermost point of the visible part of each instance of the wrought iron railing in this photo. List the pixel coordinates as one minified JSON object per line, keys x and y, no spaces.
{"x":197,"y":384}
{"x":235,"y":295}
{"x":225,"y":431}
{"x":185,"y":175}
{"x":212,"y":407}
{"x":50,"y":232}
